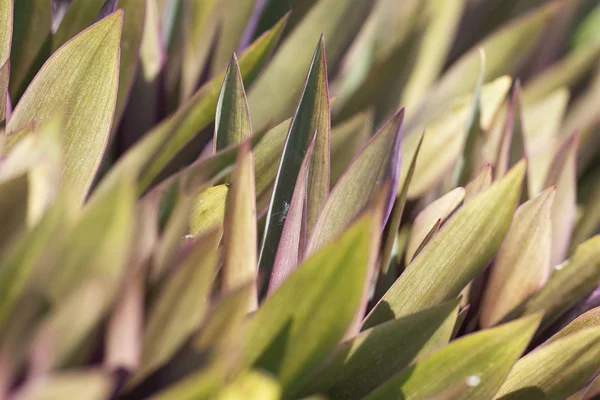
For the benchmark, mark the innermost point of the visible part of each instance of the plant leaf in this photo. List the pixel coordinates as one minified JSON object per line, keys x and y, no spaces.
{"x":179,"y":307}
{"x":208,"y":210}
{"x":568,"y":363}
{"x":311,"y":118}
{"x":240,"y":238}
{"x":376,"y":354}
{"x":522,"y":265}
{"x":80,"y":15}
{"x":346,"y":141}
{"x":512,"y":147}
{"x":89,"y":113}
{"x":165,"y":141}
{"x":481,"y":182}
{"x":6,"y":29}
{"x":378,"y":162}
{"x":83,"y":385}
{"x":589,"y":319}
{"x":481,"y":360}
{"x":460,"y":251}
{"x":14,"y":194}
{"x":441,"y":208}
{"x":291,"y":341}
{"x":232,"y":122}
{"x":570,"y":282}
{"x":251,"y":386}
{"x":338,"y":21}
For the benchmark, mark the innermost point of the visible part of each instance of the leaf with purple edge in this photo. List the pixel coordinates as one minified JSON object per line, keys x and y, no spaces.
{"x":512,"y":145}
{"x":378,"y":162}
{"x":589,"y":319}
{"x":89,"y":113}
{"x":481,"y":182}
{"x":79,"y":16}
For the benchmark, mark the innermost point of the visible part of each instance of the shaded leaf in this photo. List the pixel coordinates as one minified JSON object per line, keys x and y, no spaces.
{"x":441,"y":208}
{"x":232,"y":121}
{"x":240,"y":238}
{"x":481,"y":360}
{"x":291,"y":341}
{"x":310,"y":120}
{"x":461,"y":250}
{"x":376,"y":354}
{"x":568,"y":363}
{"x":14,"y":193}
{"x":79,"y":15}
{"x":481,"y":182}
{"x":346,"y":141}
{"x":589,"y":319}
{"x":522,"y":266}
{"x":378,"y":162}
{"x":512,"y":147}
{"x":89,"y":113}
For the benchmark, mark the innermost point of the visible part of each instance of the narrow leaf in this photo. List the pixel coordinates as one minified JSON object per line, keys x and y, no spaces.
{"x":512,"y":146}
{"x":461,"y":250}
{"x":312,"y":115}
{"x":482,"y":361}
{"x":61,"y":83}
{"x":430,"y":235}
{"x":14,"y":194}
{"x":568,"y":363}
{"x":251,"y":386}
{"x":208,"y":210}
{"x":441,"y":208}
{"x":240,"y":240}
{"x":522,"y":265}
{"x":378,"y":162}
{"x":589,"y":319}
{"x":80,"y":15}
{"x":6,"y":29}
{"x":481,"y":182}
{"x":380,"y":352}
{"x":83,"y":385}
{"x":232,"y":122}
{"x":291,"y":341}
{"x":346,"y":141}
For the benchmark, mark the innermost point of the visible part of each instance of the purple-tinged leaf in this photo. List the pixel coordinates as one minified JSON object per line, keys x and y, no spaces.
{"x":482,"y":181}
{"x":512,"y":145}
{"x":79,"y":16}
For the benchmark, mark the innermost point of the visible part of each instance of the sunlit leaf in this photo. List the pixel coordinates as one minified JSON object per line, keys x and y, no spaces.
{"x":589,"y":319}
{"x":481,"y":182}
{"x":291,"y":341}
{"x":208,"y":210}
{"x":83,"y":385}
{"x":79,"y":15}
{"x":251,"y":386}
{"x":460,"y":251}
{"x":481,"y":360}
{"x":522,"y":265}
{"x":64,"y":82}
{"x":568,"y":363}
{"x":376,"y":354}
{"x":6,"y":29}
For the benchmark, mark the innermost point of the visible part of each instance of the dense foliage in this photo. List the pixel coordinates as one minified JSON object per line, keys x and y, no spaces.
{"x":375,"y":199}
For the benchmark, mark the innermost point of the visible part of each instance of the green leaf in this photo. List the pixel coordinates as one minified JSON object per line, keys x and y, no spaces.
{"x":570,"y":282}
{"x":522,"y":265}
{"x":568,"y":364}
{"x":82,"y":385}
{"x":310,"y":120}
{"x":590,"y":218}
{"x":346,"y":141}
{"x":4,"y":77}
{"x":563,"y":174}
{"x":179,"y":307}
{"x":378,"y":162}
{"x":31,"y":42}
{"x":291,"y":341}
{"x":208,"y":210}
{"x":6,"y":29}
{"x":376,"y":354}
{"x":79,"y":15}
{"x":61,"y":83}
{"x":460,"y":251}
{"x":251,"y":386}
{"x":273,"y":97}
{"x":440,"y":209}
{"x":482,"y":360}
{"x":481,"y":182}
{"x":232,"y":122}
{"x":589,"y":319}
{"x":240,"y":238}
{"x":165,"y":141}
{"x":430,"y":235}
{"x":14,"y":194}
{"x":512,"y":146}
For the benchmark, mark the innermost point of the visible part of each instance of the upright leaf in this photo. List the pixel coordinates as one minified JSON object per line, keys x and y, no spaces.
{"x":311,"y":118}
{"x":589,"y":319}
{"x":512,"y":147}
{"x":240,"y":239}
{"x":64,"y":82}
{"x":232,"y":122}
{"x":83,"y":385}
{"x":346,"y":141}
{"x":482,"y":360}
{"x":460,"y":251}
{"x":378,"y":162}
{"x":179,"y":307}
{"x":481,"y":182}
{"x":6,"y":29}
{"x":251,"y":386}
{"x":14,"y":194}
{"x":208,"y":210}
{"x":289,"y":341}
{"x":568,"y":364}
{"x":441,"y":209}
{"x":378,"y":353}
{"x":522,"y":265}
{"x":79,"y":15}
{"x":336,"y":20}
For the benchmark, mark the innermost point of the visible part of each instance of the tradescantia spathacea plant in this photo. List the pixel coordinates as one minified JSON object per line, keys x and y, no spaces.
{"x":309,"y":199}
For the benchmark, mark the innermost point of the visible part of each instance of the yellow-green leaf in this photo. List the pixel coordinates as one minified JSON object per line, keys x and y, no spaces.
{"x":441,"y":208}
{"x":522,"y":265}
{"x":482,"y":360}
{"x":232,"y":122}
{"x":251,"y":386}
{"x":589,"y":319}
{"x":14,"y":194}
{"x":82,"y":79}
{"x":555,"y":370}
{"x":291,"y":341}
{"x":81,"y":385}
{"x":460,"y":251}
{"x":240,"y":238}
{"x":179,"y":307}
{"x":208,"y":210}
{"x":6,"y":29}
{"x":79,"y":15}
{"x":376,"y":354}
